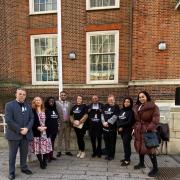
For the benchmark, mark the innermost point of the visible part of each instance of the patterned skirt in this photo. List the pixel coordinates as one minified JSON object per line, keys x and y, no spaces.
{"x":40,"y":145}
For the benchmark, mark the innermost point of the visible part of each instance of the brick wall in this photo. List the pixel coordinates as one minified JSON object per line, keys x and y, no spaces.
{"x":155,"y":21}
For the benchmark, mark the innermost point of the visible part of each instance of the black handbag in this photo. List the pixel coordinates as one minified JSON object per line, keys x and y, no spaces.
{"x":151,"y":139}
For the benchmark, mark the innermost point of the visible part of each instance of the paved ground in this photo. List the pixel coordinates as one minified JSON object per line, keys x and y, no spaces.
{"x":67,"y":168}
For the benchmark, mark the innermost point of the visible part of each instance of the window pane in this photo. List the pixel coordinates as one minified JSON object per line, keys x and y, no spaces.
{"x":93,"y":3}
{"x":99,"y":3}
{"x":45,"y":5}
{"x":47,"y":62}
{"x":47,"y":68}
{"x":54,"y":6}
{"x":101,"y":57}
{"x":105,"y":2}
{"x":112,"y":2}
{"x":48,"y":7}
{"x":42,"y":7}
{"x":102,"y":3}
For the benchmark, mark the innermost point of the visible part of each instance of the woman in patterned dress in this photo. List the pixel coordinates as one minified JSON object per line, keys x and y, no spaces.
{"x":41,"y":144}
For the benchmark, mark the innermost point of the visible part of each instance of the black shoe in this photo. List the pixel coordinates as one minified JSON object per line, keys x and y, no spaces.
{"x":153,"y":172}
{"x":93,"y":155}
{"x":106,"y":158}
{"x":125,"y":163}
{"x":139,"y":166}
{"x":27,"y":171}
{"x":69,"y":154}
{"x":42,"y":166}
{"x":53,"y":158}
{"x":99,"y":155}
{"x":49,"y":160}
{"x":122,"y":160}
{"x":58,"y":154}
{"x":110,"y":158}
{"x":11,"y":176}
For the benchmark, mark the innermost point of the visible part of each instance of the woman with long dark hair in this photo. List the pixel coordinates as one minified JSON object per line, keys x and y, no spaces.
{"x":124,"y":126}
{"x":146,"y":119}
{"x":51,"y":123}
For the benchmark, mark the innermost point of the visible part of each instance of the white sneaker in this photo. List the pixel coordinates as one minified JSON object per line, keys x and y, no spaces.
{"x":82,"y":155}
{"x":79,"y":154}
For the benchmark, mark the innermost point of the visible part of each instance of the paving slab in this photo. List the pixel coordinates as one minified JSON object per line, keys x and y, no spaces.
{"x":69,"y":168}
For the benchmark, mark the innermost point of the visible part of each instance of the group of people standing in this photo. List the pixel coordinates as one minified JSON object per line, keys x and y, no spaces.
{"x":33,"y":129}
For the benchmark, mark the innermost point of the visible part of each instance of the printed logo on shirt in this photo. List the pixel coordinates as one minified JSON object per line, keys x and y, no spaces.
{"x":122,"y":116}
{"x":109,"y":111}
{"x":77,"y":111}
{"x":54,"y":115}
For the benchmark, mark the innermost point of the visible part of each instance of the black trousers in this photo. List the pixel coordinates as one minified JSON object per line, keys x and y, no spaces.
{"x":13,"y":148}
{"x":80,"y":138}
{"x":126,"y":139}
{"x":110,"y":142}
{"x":52,"y":137}
{"x":96,"y":142}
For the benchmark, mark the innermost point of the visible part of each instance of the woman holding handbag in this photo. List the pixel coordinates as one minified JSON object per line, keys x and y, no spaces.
{"x":78,"y":116}
{"x":146,"y":120}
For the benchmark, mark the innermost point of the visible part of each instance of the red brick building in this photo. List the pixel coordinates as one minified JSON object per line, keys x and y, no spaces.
{"x":121,"y":47}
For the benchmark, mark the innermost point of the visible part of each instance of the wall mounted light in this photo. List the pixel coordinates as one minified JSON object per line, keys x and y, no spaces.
{"x":72,"y":56}
{"x":162,"y":46}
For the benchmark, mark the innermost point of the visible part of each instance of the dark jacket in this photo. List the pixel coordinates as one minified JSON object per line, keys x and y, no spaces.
{"x":16,"y":119}
{"x":146,"y":119}
{"x":125,"y":119}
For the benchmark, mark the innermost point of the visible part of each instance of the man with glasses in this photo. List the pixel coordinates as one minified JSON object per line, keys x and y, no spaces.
{"x":63,"y":107}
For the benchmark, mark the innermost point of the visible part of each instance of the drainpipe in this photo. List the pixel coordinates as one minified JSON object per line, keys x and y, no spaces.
{"x":131,"y":43}
{"x":59,"y":24}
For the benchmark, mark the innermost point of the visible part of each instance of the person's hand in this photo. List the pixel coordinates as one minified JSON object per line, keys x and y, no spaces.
{"x":24,"y":131}
{"x":105,"y":124}
{"x":120,"y":129}
{"x":40,"y":128}
{"x":44,"y":128}
{"x":76,"y":123}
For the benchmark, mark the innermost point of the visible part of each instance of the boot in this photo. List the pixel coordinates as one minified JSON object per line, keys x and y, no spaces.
{"x":45,"y":159}
{"x":154,"y":172}
{"x":140,"y":165}
{"x":39,"y":156}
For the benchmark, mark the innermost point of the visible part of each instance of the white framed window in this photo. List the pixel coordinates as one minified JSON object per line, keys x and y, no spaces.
{"x":42,"y":6}
{"x":44,"y":59}
{"x":102,"y":4}
{"x":102,"y":55}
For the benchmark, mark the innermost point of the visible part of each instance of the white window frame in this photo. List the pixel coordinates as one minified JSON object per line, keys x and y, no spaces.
{"x":116,"y":60}
{"x":117,"y":5}
{"x":32,"y":12}
{"x":33,"y":65}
